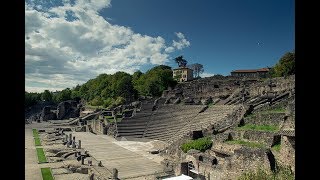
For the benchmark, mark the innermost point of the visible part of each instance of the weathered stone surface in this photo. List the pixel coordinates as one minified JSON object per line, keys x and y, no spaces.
{"x":259,"y":136}
{"x":188,"y":100}
{"x":47,"y":114}
{"x":177,"y":101}
{"x":68,"y":109}
{"x":273,"y":119}
{"x":206,"y":101}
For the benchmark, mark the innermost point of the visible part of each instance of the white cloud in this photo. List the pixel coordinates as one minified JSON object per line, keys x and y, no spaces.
{"x":182,"y":43}
{"x":63,"y":52}
{"x":205,"y":74}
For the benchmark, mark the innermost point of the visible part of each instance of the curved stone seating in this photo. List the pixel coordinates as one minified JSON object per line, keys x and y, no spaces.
{"x":170,"y":122}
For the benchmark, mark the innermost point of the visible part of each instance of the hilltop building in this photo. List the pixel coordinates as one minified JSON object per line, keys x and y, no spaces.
{"x":183,"y":74}
{"x":251,"y":72}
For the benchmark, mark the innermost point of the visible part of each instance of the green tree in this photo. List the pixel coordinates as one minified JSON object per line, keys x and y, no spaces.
{"x":285,"y":66}
{"x":97,"y":101}
{"x":197,"y":69}
{"x":31,"y":98}
{"x":154,"y":81}
{"x":63,"y":95}
{"x":46,"y":96}
{"x":180,"y":61}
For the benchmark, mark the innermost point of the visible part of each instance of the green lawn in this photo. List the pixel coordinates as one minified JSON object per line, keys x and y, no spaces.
{"x":35,"y":133}
{"x":41,"y":156}
{"x":37,"y":142}
{"x":269,"y":128}
{"x":245,"y":143}
{"x":46,"y":174}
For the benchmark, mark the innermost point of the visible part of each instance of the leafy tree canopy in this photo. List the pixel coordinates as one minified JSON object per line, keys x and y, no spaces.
{"x":285,"y":66}
{"x":180,"y":61}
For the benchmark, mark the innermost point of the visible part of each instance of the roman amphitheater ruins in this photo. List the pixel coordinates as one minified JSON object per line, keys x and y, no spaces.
{"x":143,"y":140}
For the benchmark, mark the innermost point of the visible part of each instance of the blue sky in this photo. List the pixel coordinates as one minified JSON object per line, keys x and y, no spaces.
{"x":70,"y":42}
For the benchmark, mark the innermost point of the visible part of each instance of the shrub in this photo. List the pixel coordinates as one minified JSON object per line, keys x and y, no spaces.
{"x":201,"y":144}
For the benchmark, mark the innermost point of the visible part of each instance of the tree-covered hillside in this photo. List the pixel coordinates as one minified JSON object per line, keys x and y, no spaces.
{"x":112,"y":89}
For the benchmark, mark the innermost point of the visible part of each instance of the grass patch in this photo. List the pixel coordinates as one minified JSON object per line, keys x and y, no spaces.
{"x":108,"y":117}
{"x":46,"y":174}
{"x":112,"y":120}
{"x":276,"y":147}
{"x":269,"y":128}
{"x":274,"y":110}
{"x":250,"y":116}
{"x":35,"y":133}
{"x":201,"y":144}
{"x":281,"y":173}
{"x":37,"y":142}
{"x":41,"y":156}
{"x":246,"y":143}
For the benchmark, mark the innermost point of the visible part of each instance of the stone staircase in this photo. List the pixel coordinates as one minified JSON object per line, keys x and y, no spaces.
{"x":135,"y":126}
{"x":169,"y":122}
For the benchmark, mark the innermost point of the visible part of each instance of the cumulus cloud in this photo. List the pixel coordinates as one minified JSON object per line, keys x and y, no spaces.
{"x":69,"y":42}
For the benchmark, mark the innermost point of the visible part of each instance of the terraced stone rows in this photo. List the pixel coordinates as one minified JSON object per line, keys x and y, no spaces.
{"x":171,"y":122}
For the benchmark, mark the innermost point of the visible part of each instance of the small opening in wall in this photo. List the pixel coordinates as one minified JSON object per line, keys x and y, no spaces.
{"x":214,"y":161}
{"x":201,"y":158}
{"x":230,"y":138}
{"x":197,"y":135}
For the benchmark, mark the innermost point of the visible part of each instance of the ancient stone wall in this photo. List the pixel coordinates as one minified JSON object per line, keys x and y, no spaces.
{"x":287,"y":151}
{"x":68,"y":109}
{"x":246,"y":158}
{"x":208,"y":87}
{"x":273,"y":119}
{"x":259,"y":136}
{"x":47,"y":114}
{"x":280,"y":84}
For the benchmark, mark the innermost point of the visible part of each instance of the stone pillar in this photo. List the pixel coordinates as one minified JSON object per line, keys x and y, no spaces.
{"x":73,"y":144}
{"x":70,"y":137}
{"x":100,"y":164}
{"x":115,"y":173}
{"x":82,"y":160}
{"x":66,"y":138}
{"x":79,"y":145}
{"x":91,"y":176}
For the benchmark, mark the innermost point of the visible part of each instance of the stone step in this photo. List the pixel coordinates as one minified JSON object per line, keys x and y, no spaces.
{"x":134,"y":134}
{"x":131,"y":130}
{"x":164,"y":127}
{"x":131,"y":124}
{"x":132,"y":127}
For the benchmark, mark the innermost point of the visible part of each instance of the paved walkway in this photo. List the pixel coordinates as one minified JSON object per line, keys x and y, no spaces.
{"x":105,"y":149}
{"x":32,"y":168}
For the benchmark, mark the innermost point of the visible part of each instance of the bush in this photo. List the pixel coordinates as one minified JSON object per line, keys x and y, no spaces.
{"x":201,"y":144}
{"x":108,"y":102}
{"x":97,"y":101}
